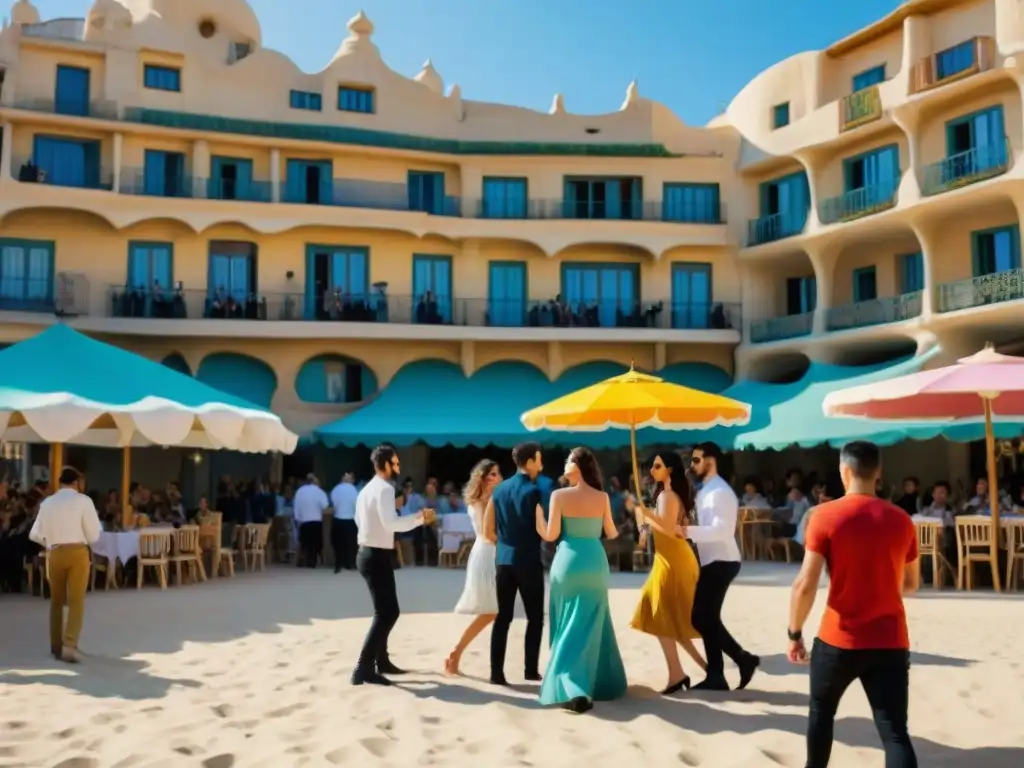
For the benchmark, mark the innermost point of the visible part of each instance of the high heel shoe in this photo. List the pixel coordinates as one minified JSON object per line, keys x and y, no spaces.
{"x":683,"y":684}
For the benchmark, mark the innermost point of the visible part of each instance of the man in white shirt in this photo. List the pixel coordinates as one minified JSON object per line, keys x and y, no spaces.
{"x":378,"y":522}
{"x":67,"y":524}
{"x":343,"y":526}
{"x":715,"y":537}
{"x":308,"y":514}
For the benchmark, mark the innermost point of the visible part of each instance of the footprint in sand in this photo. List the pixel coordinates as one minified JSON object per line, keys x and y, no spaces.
{"x":290,"y":709}
{"x":690,"y":758}
{"x":227,"y":760}
{"x":78,"y":762}
{"x":222,"y":710}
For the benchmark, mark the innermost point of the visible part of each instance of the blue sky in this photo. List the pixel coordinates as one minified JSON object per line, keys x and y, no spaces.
{"x":693,"y":55}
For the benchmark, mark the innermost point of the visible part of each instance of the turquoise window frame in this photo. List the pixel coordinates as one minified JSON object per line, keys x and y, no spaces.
{"x":507,"y":318}
{"x":357,"y":99}
{"x":869,"y":77}
{"x":75,"y":103}
{"x":714,"y":204}
{"x":1013,"y":229}
{"x":849,"y":161}
{"x":445,"y":301}
{"x":26,"y":245}
{"x":598,"y":266}
{"x":788,"y":178}
{"x":911,"y":272}
{"x":690,"y":314}
{"x":780,"y":115}
{"x":503,"y":209}
{"x":159,"y":77}
{"x":868,"y":270}
{"x":306,"y":100}
{"x":952,"y":125}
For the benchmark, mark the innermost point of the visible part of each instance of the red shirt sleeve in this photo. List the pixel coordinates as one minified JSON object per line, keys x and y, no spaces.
{"x":817,"y":534}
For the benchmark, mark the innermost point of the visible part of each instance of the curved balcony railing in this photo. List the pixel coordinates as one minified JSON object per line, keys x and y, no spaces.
{"x":863,"y":314}
{"x":857,"y":203}
{"x":981,"y":291}
{"x":195,"y":304}
{"x":779,"y":328}
{"x":101,"y":109}
{"x":134,"y":181}
{"x":87,"y":176}
{"x":238,"y":189}
{"x":860,"y":107}
{"x":968,"y":167}
{"x":777,"y":226}
{"x":977,"y":54}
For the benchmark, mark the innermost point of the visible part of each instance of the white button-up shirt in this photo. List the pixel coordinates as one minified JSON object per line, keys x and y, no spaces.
{"x":376,"y":517}
{"x":67,"y":517}
{"x":309,"y":504}
{"x":343,"y":499}
{"x":715,"y":532}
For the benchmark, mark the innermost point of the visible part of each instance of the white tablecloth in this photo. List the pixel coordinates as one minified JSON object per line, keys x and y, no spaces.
{"x":453,"y":529}
{"x":118,"y":546}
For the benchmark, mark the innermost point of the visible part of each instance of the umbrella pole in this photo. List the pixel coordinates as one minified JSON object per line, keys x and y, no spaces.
{"x":993,"y":489}
{"x":126,"y":484}
{"x":56,"y":465}
{"x":636,"y":470}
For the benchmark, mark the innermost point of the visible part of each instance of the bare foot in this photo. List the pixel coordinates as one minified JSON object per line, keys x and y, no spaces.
{"x":451,"y":665}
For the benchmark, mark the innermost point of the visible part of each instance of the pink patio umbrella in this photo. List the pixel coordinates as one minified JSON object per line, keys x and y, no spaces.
{"x":984,"y":385}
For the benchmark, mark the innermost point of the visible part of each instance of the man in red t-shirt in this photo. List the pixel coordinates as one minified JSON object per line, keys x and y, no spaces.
{"x":870,"y":549}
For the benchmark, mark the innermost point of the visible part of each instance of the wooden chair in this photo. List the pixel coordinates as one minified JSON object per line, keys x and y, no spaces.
{"x":226,"y":555}
{"x":280,"y":540}
{"x":253,"y":545}
{"x":929,"y":544}
{"x":107,"y":567}
{"x":754,"y":527}
{"x":210,"y":539}
{"x":1014,"y":554}
{"x":451,"y":548}
{"x":974,"y":545}
{"x":186,"y":550}
{"x":154,"y":552}
{"x":33,"y":566}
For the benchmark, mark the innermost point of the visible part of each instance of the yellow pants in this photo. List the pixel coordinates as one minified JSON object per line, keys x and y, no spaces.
{"x":68,"y":571}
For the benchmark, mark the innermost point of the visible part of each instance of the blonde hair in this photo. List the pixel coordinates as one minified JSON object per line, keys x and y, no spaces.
{"x":474,"y":490}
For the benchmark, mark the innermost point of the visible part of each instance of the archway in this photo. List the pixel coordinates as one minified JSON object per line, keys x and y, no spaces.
{"x":239,"y":375}
{"x":335,"y":379}
{"x":176,"y":362}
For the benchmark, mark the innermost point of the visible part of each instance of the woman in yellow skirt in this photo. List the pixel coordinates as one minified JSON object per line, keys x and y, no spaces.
{"x":667,"y":597}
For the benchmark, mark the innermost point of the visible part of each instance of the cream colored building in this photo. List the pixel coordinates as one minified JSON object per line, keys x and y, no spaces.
{"x":168,"y":183}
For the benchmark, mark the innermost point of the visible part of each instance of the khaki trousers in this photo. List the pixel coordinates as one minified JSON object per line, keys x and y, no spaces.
{"x":68,"y":572}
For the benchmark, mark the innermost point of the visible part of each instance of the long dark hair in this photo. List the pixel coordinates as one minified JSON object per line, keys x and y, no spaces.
{"x":680,"y":482}
{"x":589,"y":470}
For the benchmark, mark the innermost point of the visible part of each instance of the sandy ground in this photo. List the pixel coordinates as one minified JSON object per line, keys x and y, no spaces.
{"x":254,"y":672}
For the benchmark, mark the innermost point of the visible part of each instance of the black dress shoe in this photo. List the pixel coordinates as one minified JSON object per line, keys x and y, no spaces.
{"x":677,"y":687}
{"x":498,"y":680}
{"x":370,"y":677}
{"x":386,"y":667}
{"x":709,"y":684}
{"x":533,"y":677}
{"x":748,"y":666}
{"x":579,"y":705}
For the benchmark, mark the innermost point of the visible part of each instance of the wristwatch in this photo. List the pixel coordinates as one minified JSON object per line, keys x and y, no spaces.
{"x":796,"y":636}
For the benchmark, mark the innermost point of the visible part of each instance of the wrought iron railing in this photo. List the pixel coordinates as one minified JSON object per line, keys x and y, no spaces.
{"x":982,"y":290}
{"x":860,"y":107}
{"x":857,"y":203}
{"x":776,"y":226}
{"x":968,"y":167}
{"x":779,"y":328}
{"x":862,"y":314}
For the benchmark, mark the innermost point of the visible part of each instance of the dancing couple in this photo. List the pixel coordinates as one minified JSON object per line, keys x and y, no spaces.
{"x":585,"y":664}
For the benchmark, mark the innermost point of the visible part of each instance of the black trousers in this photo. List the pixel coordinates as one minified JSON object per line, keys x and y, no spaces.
{"x":885,"y":677}
{"x":343,"y":542}
{"x":311,"y":542}
{"x":714,"y":582}
{"x":375,"y":567}
{"x":528,"y":582}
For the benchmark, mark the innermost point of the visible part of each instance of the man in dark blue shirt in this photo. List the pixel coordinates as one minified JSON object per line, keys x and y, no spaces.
{"x":511,"y":522}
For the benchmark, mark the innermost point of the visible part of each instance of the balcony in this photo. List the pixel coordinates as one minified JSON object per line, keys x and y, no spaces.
{"x":864,"y":106}
{"x":243,"y":191}
{"x":69,"y":175}
{"x":776,"y":226}
{"x":982,"y":291}
{"x":857,"y":203}
{"x":864,"y":314}
{"x":780,"y":328}
{"x":965,"y":168}
{"x":101,"y":110}
{"x":970,"y":57}
{"x":134,"y":182}
{"x":198,"y":304}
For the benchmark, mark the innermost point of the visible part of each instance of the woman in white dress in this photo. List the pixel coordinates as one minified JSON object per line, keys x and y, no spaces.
{"x":479,"y":597}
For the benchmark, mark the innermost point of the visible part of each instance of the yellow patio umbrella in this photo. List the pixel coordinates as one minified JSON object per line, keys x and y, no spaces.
{"x":633,"y":401}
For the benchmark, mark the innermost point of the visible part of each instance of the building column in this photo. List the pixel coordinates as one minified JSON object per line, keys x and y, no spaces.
{"x":910,"y":185}
{"x":927,"y":241}
{"x":275,"y":175}
{"x":806,"y":159}
{"x":467,"y":352}
{"x":117,"y":152}
{"x":200,"y":167}
{"x":6,"y":156}
{"x":660,"y":355}
{"x":823,"y":260}
{"x":555,"y":362}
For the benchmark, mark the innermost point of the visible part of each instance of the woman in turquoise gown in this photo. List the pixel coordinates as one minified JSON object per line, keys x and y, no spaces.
{"x":584,"y":665}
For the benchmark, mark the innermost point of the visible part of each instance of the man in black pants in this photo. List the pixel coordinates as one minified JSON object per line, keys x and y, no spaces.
{"x":378,"y":522}
{"x":715,"y":537}
{"x":870,"y":549}
{"x":510,"y":521}
{"x":343,"y":526}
